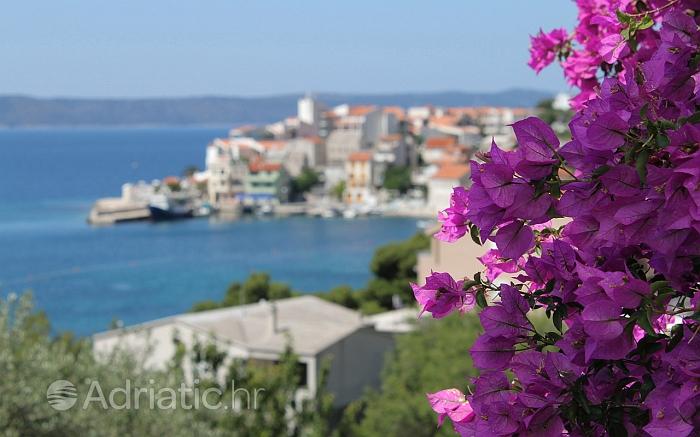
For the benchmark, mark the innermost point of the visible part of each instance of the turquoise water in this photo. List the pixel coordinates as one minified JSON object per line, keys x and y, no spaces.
{"x":84,"y":277}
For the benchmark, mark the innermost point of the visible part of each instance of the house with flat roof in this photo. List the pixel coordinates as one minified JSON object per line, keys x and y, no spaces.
{"x":316,"y":329}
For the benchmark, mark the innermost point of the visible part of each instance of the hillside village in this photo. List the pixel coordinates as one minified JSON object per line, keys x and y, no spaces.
{"x":348,"y":160}
{"x":355,"y":149}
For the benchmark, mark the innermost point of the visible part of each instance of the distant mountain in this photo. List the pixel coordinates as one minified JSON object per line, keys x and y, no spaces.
{"x":31,"y":111}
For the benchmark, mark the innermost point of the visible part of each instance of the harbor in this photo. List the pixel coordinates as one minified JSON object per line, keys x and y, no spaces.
{"x":344,"y":161}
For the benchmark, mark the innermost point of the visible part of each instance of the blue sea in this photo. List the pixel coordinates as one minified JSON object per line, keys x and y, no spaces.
{"x":85,"y":277}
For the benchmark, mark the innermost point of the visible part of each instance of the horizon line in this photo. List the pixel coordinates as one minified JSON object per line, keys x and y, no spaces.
{"x":279,"y":95}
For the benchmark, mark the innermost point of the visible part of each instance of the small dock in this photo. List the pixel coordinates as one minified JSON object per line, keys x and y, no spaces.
{"x":290,"y":209}
{"x":112,"y":210}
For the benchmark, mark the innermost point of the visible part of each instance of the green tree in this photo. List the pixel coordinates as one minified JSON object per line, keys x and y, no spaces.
{"x":397,"y":178}
{"x":427,"y":360}
{"x":267,"y":392}
{"x":397,"y":261}
{"x":190,"y":170}
{"x":30,"y":360}
{"x":338,"y":190}
{"x":256,"y":287}
{"x":343,"y":295}
{"x":307,"y":179}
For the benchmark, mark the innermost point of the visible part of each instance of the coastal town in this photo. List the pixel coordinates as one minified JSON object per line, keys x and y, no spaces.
{"x":344,"y":161}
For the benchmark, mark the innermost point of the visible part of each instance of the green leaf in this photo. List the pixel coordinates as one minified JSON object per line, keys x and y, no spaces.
{"x":645,"y":23}
{"x":643,"y":112}
{"x":667,"y":124}
{"x":693,"y":119}
{"x":600,"y":171}
{"x":641,"y":165}
{"x":676,"y":337}
{"x":647,"y":387}
{"x":643,"y":321}
{"x":474,"y":233}
{"x":658,"y":285}
{"x":555,"y":189}
{"x":626,"y":33}
{"x":622,"y":17}
{"x":481,"y":299}
{"x":469,"y":284}
{"x":662,"y":140}
{"x":559,"y":315}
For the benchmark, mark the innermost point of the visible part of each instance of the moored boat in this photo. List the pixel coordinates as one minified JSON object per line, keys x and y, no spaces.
{"x":172,"y":206}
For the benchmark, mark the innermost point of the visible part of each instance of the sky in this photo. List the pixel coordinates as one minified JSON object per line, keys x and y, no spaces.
{"x":163,"y":48}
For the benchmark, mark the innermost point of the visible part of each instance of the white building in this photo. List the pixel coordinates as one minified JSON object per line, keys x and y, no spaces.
{"x":441,"y":184}
{"x":309,"y":110}
{"x":227,"y":165}
{"x":257,"y":333}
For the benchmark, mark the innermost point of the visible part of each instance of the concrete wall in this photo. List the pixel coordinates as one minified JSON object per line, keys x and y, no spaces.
{"x":356,"y":363}
{"x":457,"y":259}
{"x":156,"y":343}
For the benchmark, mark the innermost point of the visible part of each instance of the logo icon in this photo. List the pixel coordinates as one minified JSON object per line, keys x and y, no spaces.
{"x":61,"y":395}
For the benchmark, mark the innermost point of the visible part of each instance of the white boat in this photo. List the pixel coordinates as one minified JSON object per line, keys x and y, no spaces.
{"x":171,"y":206}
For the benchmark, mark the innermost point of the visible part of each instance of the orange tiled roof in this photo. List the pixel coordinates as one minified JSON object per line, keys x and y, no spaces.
{"x":257,"y":166}
{"x":360,"y":156}
{"x":445,"y":120}
{"x":329,"y":114}
{"x":244,"y":128}
{"x":440,"y":142}
{"x":314,"y":139}
{"x":396,"y":110}
{"x":392,"y":137}
{"x":171,"y":180}
{"x":273,"y":144}
{"x":452,"y":171}
{"x":360,"y":110}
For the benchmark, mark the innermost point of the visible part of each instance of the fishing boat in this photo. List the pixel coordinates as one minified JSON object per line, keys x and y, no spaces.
{"x":171,"y":206}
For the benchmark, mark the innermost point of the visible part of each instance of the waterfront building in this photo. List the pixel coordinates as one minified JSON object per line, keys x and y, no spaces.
{"x":265,"y":183}
{"x":227,"y":167}
{"x":359,"y":185}
{"x":259,"y":333}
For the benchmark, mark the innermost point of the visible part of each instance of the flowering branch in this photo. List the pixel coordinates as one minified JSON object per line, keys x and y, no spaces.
{"x":618,"y":283}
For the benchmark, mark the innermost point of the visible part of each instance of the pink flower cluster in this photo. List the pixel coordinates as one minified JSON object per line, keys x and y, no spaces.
{"x":600,"y":235}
